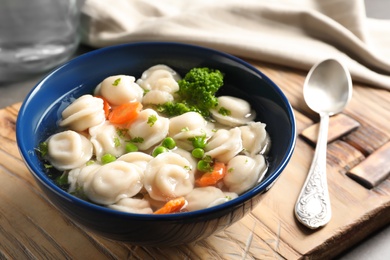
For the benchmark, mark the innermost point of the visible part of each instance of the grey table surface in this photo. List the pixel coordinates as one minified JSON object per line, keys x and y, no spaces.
{"x":376,"y":247}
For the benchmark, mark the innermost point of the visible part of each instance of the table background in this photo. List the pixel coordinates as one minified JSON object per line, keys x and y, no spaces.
{"x":375,"y":247}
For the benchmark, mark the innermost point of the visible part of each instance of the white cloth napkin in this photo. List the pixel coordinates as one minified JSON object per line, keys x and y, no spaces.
{"x":295,"y":33}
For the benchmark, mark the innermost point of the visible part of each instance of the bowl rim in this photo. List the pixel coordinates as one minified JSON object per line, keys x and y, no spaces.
{"x":262,"y":187}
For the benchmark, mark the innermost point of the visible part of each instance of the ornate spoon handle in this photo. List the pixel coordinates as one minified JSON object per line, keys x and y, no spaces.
{"x":313,"y":205}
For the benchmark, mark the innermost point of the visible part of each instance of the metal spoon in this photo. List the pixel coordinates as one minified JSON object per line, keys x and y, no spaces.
{"x":327,"y":90}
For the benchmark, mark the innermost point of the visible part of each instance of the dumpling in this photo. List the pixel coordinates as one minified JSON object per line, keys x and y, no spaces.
{"x":228,"y":196}
{"x":150,"y":127}
{"x":157,"y":97}
{"x":168,"y":176}
{"x":244,"y":172}
{"x":85,"y":112}
{"x":254,"y":138}
{"x":105,"y":139}
{"x":225,"y":144}
{"x":186,"y":154}
{"x":186,"y":122}
{"x":114,"y":181}
{"x":120,"y":89}
{"x":132,"y":205}
{"x":189,"y":125}
{"x":138,"y":158}
{"x":160,"y":77}
{"x":206,"y":197}
{"x":236,"y":111}
{"x":68,"y":150}
{"x":160,"y":83}
{"x":78,"y":176}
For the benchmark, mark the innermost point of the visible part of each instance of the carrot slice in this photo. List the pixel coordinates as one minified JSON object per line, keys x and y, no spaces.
{"x":125,"y":113}
{"x":172,"y":206}
{"x":106,"y":106}
{"x":211,"y":178}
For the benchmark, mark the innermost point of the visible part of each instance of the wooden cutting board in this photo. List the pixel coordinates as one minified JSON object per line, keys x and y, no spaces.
{"x":358,"y":175}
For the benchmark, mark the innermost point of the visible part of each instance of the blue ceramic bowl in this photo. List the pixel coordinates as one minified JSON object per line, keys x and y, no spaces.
{"x":41,"y":110}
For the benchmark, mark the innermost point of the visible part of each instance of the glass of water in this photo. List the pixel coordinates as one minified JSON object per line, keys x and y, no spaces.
{"x":36,"y":35}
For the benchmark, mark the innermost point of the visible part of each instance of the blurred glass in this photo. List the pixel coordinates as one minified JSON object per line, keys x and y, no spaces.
{"x":36,"y":35}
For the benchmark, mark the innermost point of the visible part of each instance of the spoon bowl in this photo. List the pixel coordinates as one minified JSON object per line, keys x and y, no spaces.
{"x":327,"y":90}
{"x":328,"y":87}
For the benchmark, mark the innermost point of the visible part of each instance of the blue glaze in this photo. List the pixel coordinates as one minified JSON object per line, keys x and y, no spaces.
{"x":41,"y":111}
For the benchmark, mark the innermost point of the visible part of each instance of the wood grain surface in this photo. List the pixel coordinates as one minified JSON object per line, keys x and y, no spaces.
{"x":32,"y":228}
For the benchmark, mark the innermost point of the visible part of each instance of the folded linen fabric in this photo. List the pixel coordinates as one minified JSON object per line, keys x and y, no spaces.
{"x":295,"y":33}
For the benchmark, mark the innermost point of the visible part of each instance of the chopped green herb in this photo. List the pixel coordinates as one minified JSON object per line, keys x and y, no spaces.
{"x":185,"y":129}
{"x":204,"y":166}
{"x":188,"y":168}
{"x":79,"y":193}
{"x":223,"y":111}
{"x":137,"y":140}
{"x":43,"y":149}
{"x":117,"y":142}
{"x":198,"y":141}
{"x":121,"y":132}
{"x":62,"y":179}
{"x":90,"y":162}
{"x":47,"y":166}
{"x":116,"y":82}
{"x":208,"y":159}
{"x":152,"y":120}
{"x":230,"y":169}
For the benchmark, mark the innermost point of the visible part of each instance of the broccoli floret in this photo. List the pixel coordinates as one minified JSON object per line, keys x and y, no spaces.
{"x":196,"y":93}
{"x":199,"y":86}
{"x":175,"y":108}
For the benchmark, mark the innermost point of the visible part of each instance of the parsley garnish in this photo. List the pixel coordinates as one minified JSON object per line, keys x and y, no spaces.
{"x":151,"y":120}
{"x":137,"y":140}
{"x":117,"y":141}
{"x":116,"y":82}
{"x":47,"y":166}
{"x":90,"y":162}
{"x":62,"y":179}
{"x":225,"y":112}
{"x":43,"y":149}
{"x":121,"y":132}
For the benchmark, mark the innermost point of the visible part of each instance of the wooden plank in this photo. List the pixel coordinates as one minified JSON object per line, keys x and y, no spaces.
{"x":375,"y":169}
{"x":367,"y":138}
{"x":339,"y":125}
{"x":344,"y":155}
